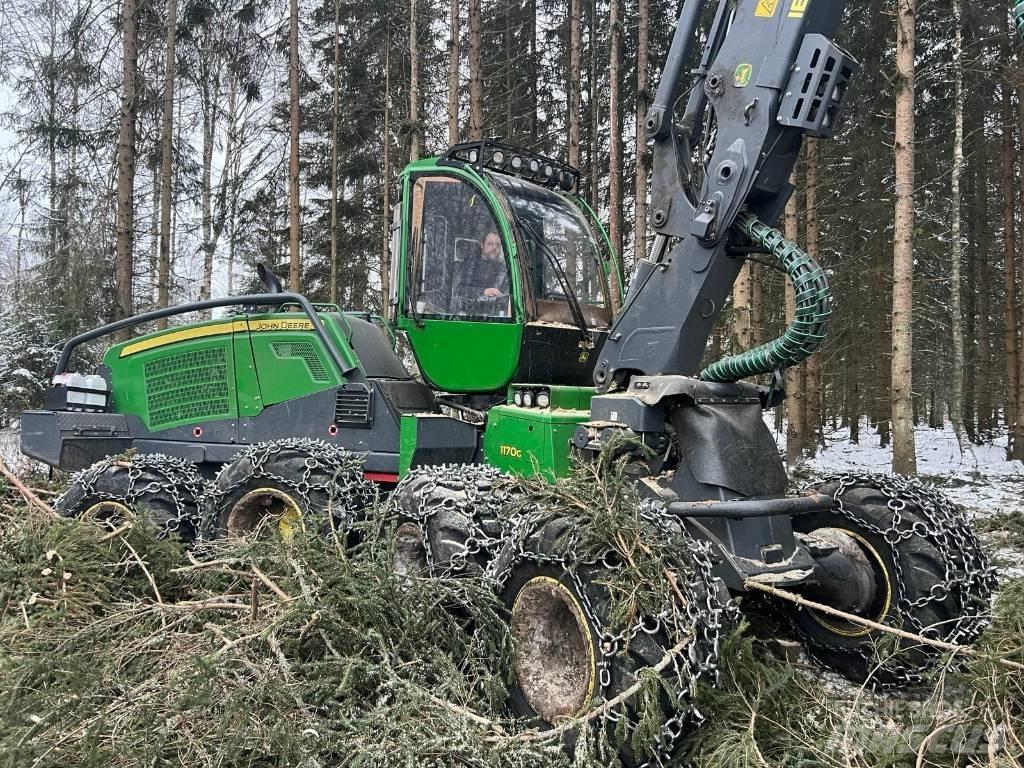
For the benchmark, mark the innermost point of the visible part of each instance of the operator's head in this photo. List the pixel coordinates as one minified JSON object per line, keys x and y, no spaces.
{"x":490,"y":247}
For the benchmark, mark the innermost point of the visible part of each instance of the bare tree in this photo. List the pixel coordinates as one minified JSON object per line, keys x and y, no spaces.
{"x":336,"y":88}
{"x":385,"y":251}
{"x":415,"y":129}
{"x":741,"y":310}
{"x":575,"y":94}
{"x":453,"y":74}
{"x":956,"y":384}
{"x":476,"y":76}
{"x":904,"y":455}
{"x":166,"y":184}
{"x":642,"y":101}
{"x":1009,"y":242}
{"x":294,"y":259}
{"x":615,"y":141}
{"x":812,"y":368}
{"x":124,"y":272}
{"x":794,"y":374}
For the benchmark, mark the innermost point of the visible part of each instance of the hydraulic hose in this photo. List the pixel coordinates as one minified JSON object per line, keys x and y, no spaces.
{"x":1018,"y":14}
{"x":813,"y":308}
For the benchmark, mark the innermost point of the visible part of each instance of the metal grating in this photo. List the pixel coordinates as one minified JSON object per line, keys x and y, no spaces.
{"x":304,"y":351}
{"x":188,"y":386}
{"x":354,"y":406}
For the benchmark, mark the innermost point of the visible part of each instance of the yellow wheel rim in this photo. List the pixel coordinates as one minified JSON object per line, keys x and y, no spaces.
{"x":253,"y":511}
{"x":845,"y":629}
{"x":105,"y":511}
{"x":555,"y":662}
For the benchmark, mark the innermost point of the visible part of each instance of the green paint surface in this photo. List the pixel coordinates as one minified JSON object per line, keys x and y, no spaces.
{"x":466,"y":356}
{"x":531,"y":442}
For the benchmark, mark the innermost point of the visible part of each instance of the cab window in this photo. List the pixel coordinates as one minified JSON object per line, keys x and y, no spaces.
{"x":458,"y":265}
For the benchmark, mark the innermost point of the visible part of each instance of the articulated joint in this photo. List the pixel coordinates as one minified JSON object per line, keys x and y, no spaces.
{"x":813,"y":308}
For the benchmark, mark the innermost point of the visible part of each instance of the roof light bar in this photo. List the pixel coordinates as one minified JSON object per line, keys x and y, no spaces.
{"x":513,"y":161}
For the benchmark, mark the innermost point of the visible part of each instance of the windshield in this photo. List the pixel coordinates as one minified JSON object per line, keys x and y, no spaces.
{"x":553,"y":229}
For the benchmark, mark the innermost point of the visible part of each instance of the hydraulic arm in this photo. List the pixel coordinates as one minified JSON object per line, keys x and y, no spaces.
{"x":768,"y":75}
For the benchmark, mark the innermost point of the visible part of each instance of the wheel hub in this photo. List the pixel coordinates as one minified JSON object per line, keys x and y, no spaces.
{"x":554,"y":660}
{"x":850,"y":575}
{"x":410,"y":551}
{"x":256,"y":508}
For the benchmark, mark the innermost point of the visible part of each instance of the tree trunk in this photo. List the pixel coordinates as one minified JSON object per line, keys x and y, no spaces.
{"x":335,"y":98}
{"x":956,"y":384}
{"x":415,"y":129}
{"x":1018,"y":439}
{"x":476,"y":75}
{"x":642,"y":100}
{"x":595,"y":112}
{"x":294,"y":259}
{"x":794,"y":375}
{"x":211,"y":111}
{"x":125,"y":241}
{"x":163,"y":287}
{"x":904,"y":455}
{"x":453,"y":74}
{"x":741,"y":331}
{"x":1009,"y":242}
{"x":812,"y":369}
{"x":385,"y":251}
{"x":615,"y":144}
{"x":574,"y":84}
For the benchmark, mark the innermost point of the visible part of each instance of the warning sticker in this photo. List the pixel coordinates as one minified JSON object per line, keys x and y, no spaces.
{"x":798,"y":8}
{"x":766,"y":8}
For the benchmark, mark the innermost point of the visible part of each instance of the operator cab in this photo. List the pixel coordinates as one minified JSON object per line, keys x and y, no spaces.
{"x":500,"y":274}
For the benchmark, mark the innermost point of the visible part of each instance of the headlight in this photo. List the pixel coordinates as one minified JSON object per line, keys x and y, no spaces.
{"x":527,"y":399}
{"x":517,"y":398}
{"x":543,"y":399}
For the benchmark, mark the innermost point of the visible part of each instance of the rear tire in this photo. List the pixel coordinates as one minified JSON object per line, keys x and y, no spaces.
{"x":932,"y":578}
{"x":286,"y":483}
{"x":570,"y":658}
{"x":168,"y":491}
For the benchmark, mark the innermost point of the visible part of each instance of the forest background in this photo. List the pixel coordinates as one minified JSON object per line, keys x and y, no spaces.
{"x":153,"y":151}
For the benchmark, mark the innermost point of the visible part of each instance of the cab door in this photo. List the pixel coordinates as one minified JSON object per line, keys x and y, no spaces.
{"x":460,"y":304}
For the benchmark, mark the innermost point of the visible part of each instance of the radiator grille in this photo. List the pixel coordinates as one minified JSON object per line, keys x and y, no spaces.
{"x":354,"y":406}
{"x":188,"y":386}
{"x":304,"y":351}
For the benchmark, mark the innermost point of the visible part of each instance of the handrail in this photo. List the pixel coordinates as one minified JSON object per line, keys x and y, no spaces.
{"x":258,"y":299}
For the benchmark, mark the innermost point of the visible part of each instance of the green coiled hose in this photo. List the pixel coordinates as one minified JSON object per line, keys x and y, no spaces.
{"x":813,"y":309}
{"x":1018,"y":15}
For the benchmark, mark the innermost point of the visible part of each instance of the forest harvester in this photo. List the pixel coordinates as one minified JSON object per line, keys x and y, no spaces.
{"x":501,"y":284}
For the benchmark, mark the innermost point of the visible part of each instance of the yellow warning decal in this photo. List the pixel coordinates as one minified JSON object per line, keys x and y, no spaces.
{"x":798,"y":8}
{"x":766,"y":8}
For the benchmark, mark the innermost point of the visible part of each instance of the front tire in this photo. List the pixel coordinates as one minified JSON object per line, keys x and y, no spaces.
{"x":168,"y":491}
{"x":931,"y":578}
{"x":572,"y":656}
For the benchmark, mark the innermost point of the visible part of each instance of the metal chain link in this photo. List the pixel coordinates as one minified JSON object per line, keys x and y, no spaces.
{"x":501,"y":524}
{"x":968,"y":576}
{"x":179,"y":483}
{"x":328,"y":471}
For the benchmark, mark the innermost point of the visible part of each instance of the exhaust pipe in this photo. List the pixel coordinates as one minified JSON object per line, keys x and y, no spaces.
{"x":268,"y":278}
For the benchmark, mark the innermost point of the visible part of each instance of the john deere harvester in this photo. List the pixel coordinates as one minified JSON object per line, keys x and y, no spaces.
{"x":503,"y":284}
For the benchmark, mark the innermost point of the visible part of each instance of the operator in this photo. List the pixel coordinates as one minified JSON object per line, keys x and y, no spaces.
{"x":482,"y":282}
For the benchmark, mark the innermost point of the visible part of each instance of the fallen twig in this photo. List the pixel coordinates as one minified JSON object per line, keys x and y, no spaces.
{"x":27,"y":493}
{"x":940,"y":644}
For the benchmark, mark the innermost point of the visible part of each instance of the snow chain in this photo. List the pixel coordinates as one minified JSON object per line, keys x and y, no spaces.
{"x":968,"y":571}
{"x":180,"y":484}
{"x":485,"y":497}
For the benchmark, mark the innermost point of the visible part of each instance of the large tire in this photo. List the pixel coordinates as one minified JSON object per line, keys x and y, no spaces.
{"x":569,"y":656}
{"x":285,"y":483}
{"x":931,"y":578}
{"x":452,"y":519}
{"x":168,"y":491}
